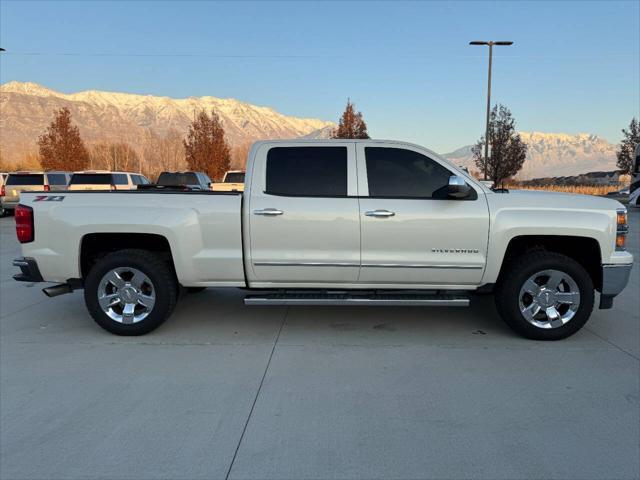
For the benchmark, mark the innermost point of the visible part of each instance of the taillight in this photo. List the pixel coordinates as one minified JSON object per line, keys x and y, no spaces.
{"x":2,"y":191}
{"x":24,"y":223}
{"x":47,"y":188}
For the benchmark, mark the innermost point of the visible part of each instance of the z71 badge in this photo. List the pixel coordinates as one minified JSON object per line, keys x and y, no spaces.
{"x":48,"y":198}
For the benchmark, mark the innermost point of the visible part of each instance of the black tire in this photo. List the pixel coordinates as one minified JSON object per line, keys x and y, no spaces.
{"x":155,"y":268}
{"x":196,"y":289}
{"x":519,"y":270}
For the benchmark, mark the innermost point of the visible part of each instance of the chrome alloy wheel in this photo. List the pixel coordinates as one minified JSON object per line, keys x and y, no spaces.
{"x":549,"y":299}
{"x":126,"y":295}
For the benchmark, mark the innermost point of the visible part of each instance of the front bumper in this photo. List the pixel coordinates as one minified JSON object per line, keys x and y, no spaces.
{"x":29,"y":271}
{"x":614,"y":279}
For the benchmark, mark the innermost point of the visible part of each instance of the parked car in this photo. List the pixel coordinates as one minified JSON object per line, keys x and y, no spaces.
{"x":18,"y":182}
{"x":333,"y":222}
{"x":634,"y":188}
{"x":191,"y":180}
{"x":619,"y":193}
{"x":3,"y":177}
{"x":106,"y":180}
{"x":233,"y":181}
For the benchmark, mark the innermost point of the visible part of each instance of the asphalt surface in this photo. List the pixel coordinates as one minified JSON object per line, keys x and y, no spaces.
{"x":227,"y":391}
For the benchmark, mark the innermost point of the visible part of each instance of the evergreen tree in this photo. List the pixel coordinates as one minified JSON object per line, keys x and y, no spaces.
{"x":508,"y":151}
{"x":206,"y":149}
{"x":61,"y":147}
{"x":351,"y":124}
{"x":626,"y":149}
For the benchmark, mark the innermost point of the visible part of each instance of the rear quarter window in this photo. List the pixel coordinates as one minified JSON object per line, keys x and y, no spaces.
{"x":90,"y":179}
{"x":26,"y":179}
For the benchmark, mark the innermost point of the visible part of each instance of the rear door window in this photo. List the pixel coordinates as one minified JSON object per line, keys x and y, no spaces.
{"x":307,"y":171}
{"x":176,"y":179}
{"x":90,"y":179}
{"x":234,"y":177}
{"x":401,"y":173}
{"x":26,"y":179}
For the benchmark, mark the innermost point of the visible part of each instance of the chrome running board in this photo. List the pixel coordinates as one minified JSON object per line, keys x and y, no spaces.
{"x":359,"y":298}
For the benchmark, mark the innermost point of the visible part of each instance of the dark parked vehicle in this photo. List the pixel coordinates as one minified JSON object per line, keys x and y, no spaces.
{"x":191,"y":180}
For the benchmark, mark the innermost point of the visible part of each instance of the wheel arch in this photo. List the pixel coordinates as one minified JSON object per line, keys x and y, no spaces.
{"x":584,"y":250}
{"x":94,"y":246}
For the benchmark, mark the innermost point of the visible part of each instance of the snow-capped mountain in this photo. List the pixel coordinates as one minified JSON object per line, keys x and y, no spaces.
{"x":27,"y":108}
{"x":555,"y":155}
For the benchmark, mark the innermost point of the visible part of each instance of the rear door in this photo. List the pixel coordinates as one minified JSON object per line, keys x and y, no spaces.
{"x":303,"y":215}
{"x":412,"y":233}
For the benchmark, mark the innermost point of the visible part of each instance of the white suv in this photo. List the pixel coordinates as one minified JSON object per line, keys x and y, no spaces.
{"x":106,"y":180}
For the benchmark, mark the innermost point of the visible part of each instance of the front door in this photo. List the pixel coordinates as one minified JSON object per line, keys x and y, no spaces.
{"x":303,"y":216}
{"x":412,"y":234}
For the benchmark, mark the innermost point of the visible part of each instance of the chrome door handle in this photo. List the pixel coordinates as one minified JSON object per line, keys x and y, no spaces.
{"x":379,"y":213}
{"x":269,"y":212}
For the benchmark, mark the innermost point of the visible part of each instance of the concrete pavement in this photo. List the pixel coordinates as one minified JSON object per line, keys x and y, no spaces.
{"x":227,"y":391}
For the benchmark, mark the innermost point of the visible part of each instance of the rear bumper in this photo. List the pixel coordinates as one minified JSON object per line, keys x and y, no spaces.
{"x":614,"y":279}
{"x":9,"y":203}
{"x":29,"y":271}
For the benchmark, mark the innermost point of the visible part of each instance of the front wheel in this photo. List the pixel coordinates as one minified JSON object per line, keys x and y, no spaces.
{"x":130,"y":292}
{"x":545,"y":295}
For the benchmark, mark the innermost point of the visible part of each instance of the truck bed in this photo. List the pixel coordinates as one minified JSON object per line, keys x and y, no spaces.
{"x":203,"y":229}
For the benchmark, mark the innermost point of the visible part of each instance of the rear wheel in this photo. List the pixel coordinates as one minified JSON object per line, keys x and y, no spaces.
{"x":545,"y":295}
{"x":130,"y":292}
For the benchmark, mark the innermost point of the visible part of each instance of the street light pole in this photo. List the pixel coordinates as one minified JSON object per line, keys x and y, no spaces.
{"x":490,"y":44}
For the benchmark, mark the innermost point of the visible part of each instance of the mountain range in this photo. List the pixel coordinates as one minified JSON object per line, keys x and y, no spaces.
{"x":27,"y":108}
{"x":554,"y":155}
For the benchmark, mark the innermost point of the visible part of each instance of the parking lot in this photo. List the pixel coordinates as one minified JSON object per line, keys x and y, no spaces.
{"x":228,"y":391}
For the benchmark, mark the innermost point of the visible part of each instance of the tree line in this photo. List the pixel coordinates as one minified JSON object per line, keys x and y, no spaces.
{"x":205,"y":147}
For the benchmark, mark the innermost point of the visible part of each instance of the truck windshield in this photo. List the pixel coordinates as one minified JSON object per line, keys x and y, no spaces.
{"x":234,"y":177}
{"x":91,"y":179}
{"x":175,"y":179}
{"x":26,"y":179}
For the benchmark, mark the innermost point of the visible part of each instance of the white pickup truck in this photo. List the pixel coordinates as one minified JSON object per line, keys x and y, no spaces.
{"x":331,"y":222}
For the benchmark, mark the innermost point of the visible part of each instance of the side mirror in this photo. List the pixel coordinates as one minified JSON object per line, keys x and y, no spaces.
{"x":457,"y":187}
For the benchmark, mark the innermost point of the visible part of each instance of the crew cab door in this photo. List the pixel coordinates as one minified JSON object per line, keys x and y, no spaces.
{"x":302,"y":215}
{"x":412,"y":233}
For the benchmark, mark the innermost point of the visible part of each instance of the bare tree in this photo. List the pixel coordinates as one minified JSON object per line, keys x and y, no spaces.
{"x":508,"y":151}
{"x":239,"y":156}
{"x":114,"y":156}
{"x":162,"y":154}
{"x":30,"y":160}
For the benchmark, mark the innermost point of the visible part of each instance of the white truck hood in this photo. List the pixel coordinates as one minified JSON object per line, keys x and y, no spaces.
{"x":556,"y":200}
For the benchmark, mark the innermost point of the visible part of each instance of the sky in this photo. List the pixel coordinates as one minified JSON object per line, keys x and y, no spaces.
{"x":574,"y":66}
